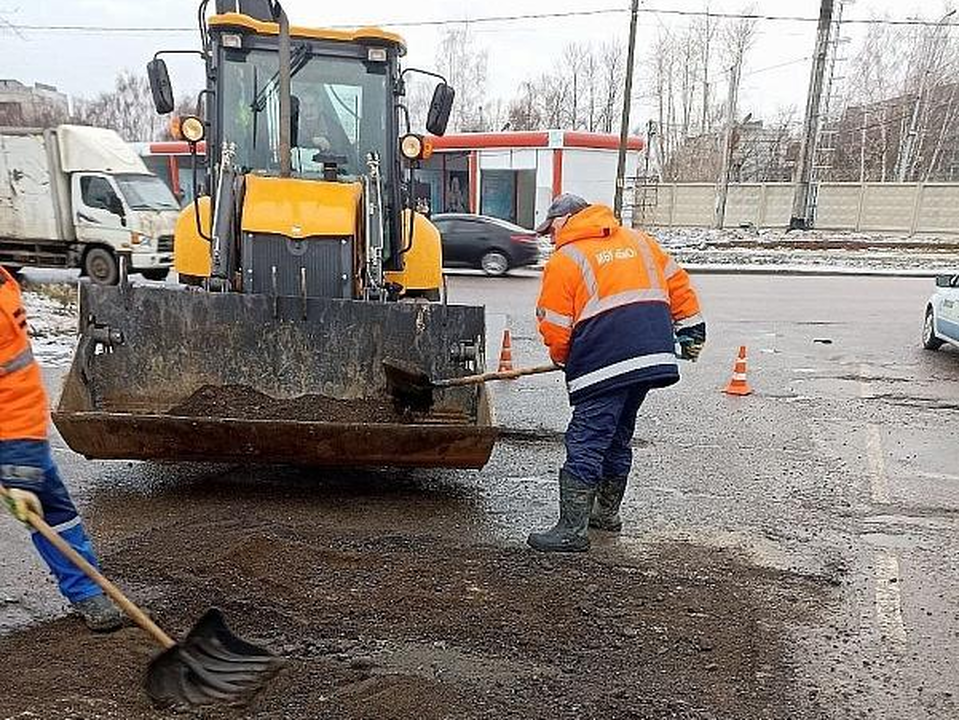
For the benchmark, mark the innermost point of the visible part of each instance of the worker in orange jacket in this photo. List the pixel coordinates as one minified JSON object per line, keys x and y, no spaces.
{"x":27,"y":469}
{"x":613,"y":307}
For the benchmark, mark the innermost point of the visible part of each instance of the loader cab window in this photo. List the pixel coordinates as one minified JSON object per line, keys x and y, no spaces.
{"x":342,"y":115}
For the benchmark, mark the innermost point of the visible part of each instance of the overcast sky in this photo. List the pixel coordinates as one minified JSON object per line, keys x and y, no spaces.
{"x":85,"y":63}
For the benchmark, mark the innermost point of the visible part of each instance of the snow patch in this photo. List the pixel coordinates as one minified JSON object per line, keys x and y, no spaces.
{"x":53,"y":326}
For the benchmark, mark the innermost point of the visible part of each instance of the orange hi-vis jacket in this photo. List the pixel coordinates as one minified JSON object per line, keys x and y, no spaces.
{"x":23,"y":401}
{"x":609,"y":303}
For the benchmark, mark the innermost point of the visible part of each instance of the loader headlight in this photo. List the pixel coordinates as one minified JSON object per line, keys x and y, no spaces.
{"x":411,"y":146}
{"x":192,"y":129}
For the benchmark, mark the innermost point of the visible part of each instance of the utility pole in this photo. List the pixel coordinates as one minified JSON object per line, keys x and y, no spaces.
{"x":721,"y":209}
{"x":625,"y":117}
{"x":800,"y":217}
{"x":827,"y":137}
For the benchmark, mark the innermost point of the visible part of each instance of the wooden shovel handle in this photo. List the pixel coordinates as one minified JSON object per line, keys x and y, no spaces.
{"x":112,"y":591}
{"x":504,"y":375}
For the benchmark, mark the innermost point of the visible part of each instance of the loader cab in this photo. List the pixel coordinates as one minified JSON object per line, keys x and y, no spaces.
{"x":342,"y":105}
{"x":331,"y":217}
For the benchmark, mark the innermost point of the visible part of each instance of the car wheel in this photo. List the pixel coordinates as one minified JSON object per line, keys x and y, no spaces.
{"x":100,"y":265}
{"x":494,"y":263}
{"x":930,"y":340}
{"x":156,"y":273}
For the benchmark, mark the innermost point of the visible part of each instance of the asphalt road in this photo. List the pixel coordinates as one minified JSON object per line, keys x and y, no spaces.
{"x":840,"y":472}
{"x":843,"y":464}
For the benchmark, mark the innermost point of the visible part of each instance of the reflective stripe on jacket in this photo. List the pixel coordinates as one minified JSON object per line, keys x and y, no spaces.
{"x":609,"y":303}
{"x":23,"y":401}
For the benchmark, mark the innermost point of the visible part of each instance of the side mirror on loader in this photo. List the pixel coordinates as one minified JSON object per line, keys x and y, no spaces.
{"x":440,"y":105}
{"x":160,"y":86}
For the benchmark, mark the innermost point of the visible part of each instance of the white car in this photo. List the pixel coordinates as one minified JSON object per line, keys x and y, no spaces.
{"x":940,"y":322}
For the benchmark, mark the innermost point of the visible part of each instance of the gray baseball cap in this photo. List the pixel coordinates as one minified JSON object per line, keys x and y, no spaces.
{"x":563,"y":204}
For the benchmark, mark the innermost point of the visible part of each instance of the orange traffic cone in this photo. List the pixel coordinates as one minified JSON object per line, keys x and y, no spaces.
{"x":738,"y":383}
{"x":506,"y":356}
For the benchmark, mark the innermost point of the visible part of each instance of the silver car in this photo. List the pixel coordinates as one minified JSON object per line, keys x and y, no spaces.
{"x":940,"y":321}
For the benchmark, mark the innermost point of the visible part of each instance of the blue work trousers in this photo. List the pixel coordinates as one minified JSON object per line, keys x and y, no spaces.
{"x":599,"y":434}
{"x":28,"y":465}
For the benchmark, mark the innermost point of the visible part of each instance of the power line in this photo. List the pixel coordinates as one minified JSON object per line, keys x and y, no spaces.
{"x":506,"y":18}
{"x":778,"y":65}
{"x":101,"y":28}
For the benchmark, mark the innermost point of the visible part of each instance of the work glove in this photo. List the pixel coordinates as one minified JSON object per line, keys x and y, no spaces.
{"x":691,"y":340}
{"x":20,"y":502}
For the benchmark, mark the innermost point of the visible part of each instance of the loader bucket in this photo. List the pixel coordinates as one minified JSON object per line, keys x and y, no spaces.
{"x":165,"y":373}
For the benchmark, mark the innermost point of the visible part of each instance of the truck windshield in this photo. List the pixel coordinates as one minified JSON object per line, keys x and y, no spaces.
{"x":339,"y":104}
{"x":146,"y":192}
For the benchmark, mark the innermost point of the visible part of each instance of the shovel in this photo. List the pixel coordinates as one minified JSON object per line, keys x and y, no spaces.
{"x":211,"y":664}
{"x":412,"y":388}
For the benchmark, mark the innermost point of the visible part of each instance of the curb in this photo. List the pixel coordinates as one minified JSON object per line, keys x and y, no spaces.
{"x":813,"y":271}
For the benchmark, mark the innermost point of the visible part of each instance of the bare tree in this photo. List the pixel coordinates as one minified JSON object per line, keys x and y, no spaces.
{"x":737,"y":36}
{"x":582,"y":93}
{"x":524,"y":111}
{"x":464,"y":64}
{"x":591,"y":102}
{"x":128,"y":109}
{"x":705,"y":30}
{"x":898,"y":114}
{"x":613,"y":68}
{"x":573,"y":63}
{"x":687,"y":59}
{"x":662,"y":65}
{"x":418,"y":92}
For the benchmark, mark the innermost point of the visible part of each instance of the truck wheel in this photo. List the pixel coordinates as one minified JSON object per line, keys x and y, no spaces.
{"x":100,"y":265}
{"x":156,"y":273}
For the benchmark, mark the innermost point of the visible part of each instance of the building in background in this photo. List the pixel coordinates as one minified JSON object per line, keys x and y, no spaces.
{"x":515,"y":175}
{"x":37,"y":106}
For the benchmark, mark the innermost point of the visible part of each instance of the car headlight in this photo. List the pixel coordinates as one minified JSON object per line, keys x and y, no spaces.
{"x":139,"y":240}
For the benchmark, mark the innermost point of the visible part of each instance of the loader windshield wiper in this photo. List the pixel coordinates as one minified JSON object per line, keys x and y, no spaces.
{"x":298,"y":60}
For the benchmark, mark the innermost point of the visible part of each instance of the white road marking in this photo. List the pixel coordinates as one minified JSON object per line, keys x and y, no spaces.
{"x":879,"y":489}
{"x":887,"y":592}
{"x":886,"y":574}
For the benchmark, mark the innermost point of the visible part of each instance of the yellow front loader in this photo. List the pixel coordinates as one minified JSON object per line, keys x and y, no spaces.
{"x":303,"y":266}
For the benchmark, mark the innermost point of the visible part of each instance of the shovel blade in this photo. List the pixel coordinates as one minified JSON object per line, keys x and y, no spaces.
{"x":410,"y":387}
{"x":211,"y":665}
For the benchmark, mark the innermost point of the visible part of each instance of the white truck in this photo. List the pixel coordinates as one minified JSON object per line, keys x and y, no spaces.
{"x":77,"y":196}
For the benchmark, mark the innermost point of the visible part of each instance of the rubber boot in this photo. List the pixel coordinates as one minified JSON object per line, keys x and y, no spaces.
{"x":99,"y":613}
{"x":570,"y":532}
{"x":606,"y":510}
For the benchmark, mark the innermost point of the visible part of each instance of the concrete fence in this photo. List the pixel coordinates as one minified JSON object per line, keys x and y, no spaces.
{"x":900,"y":208}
